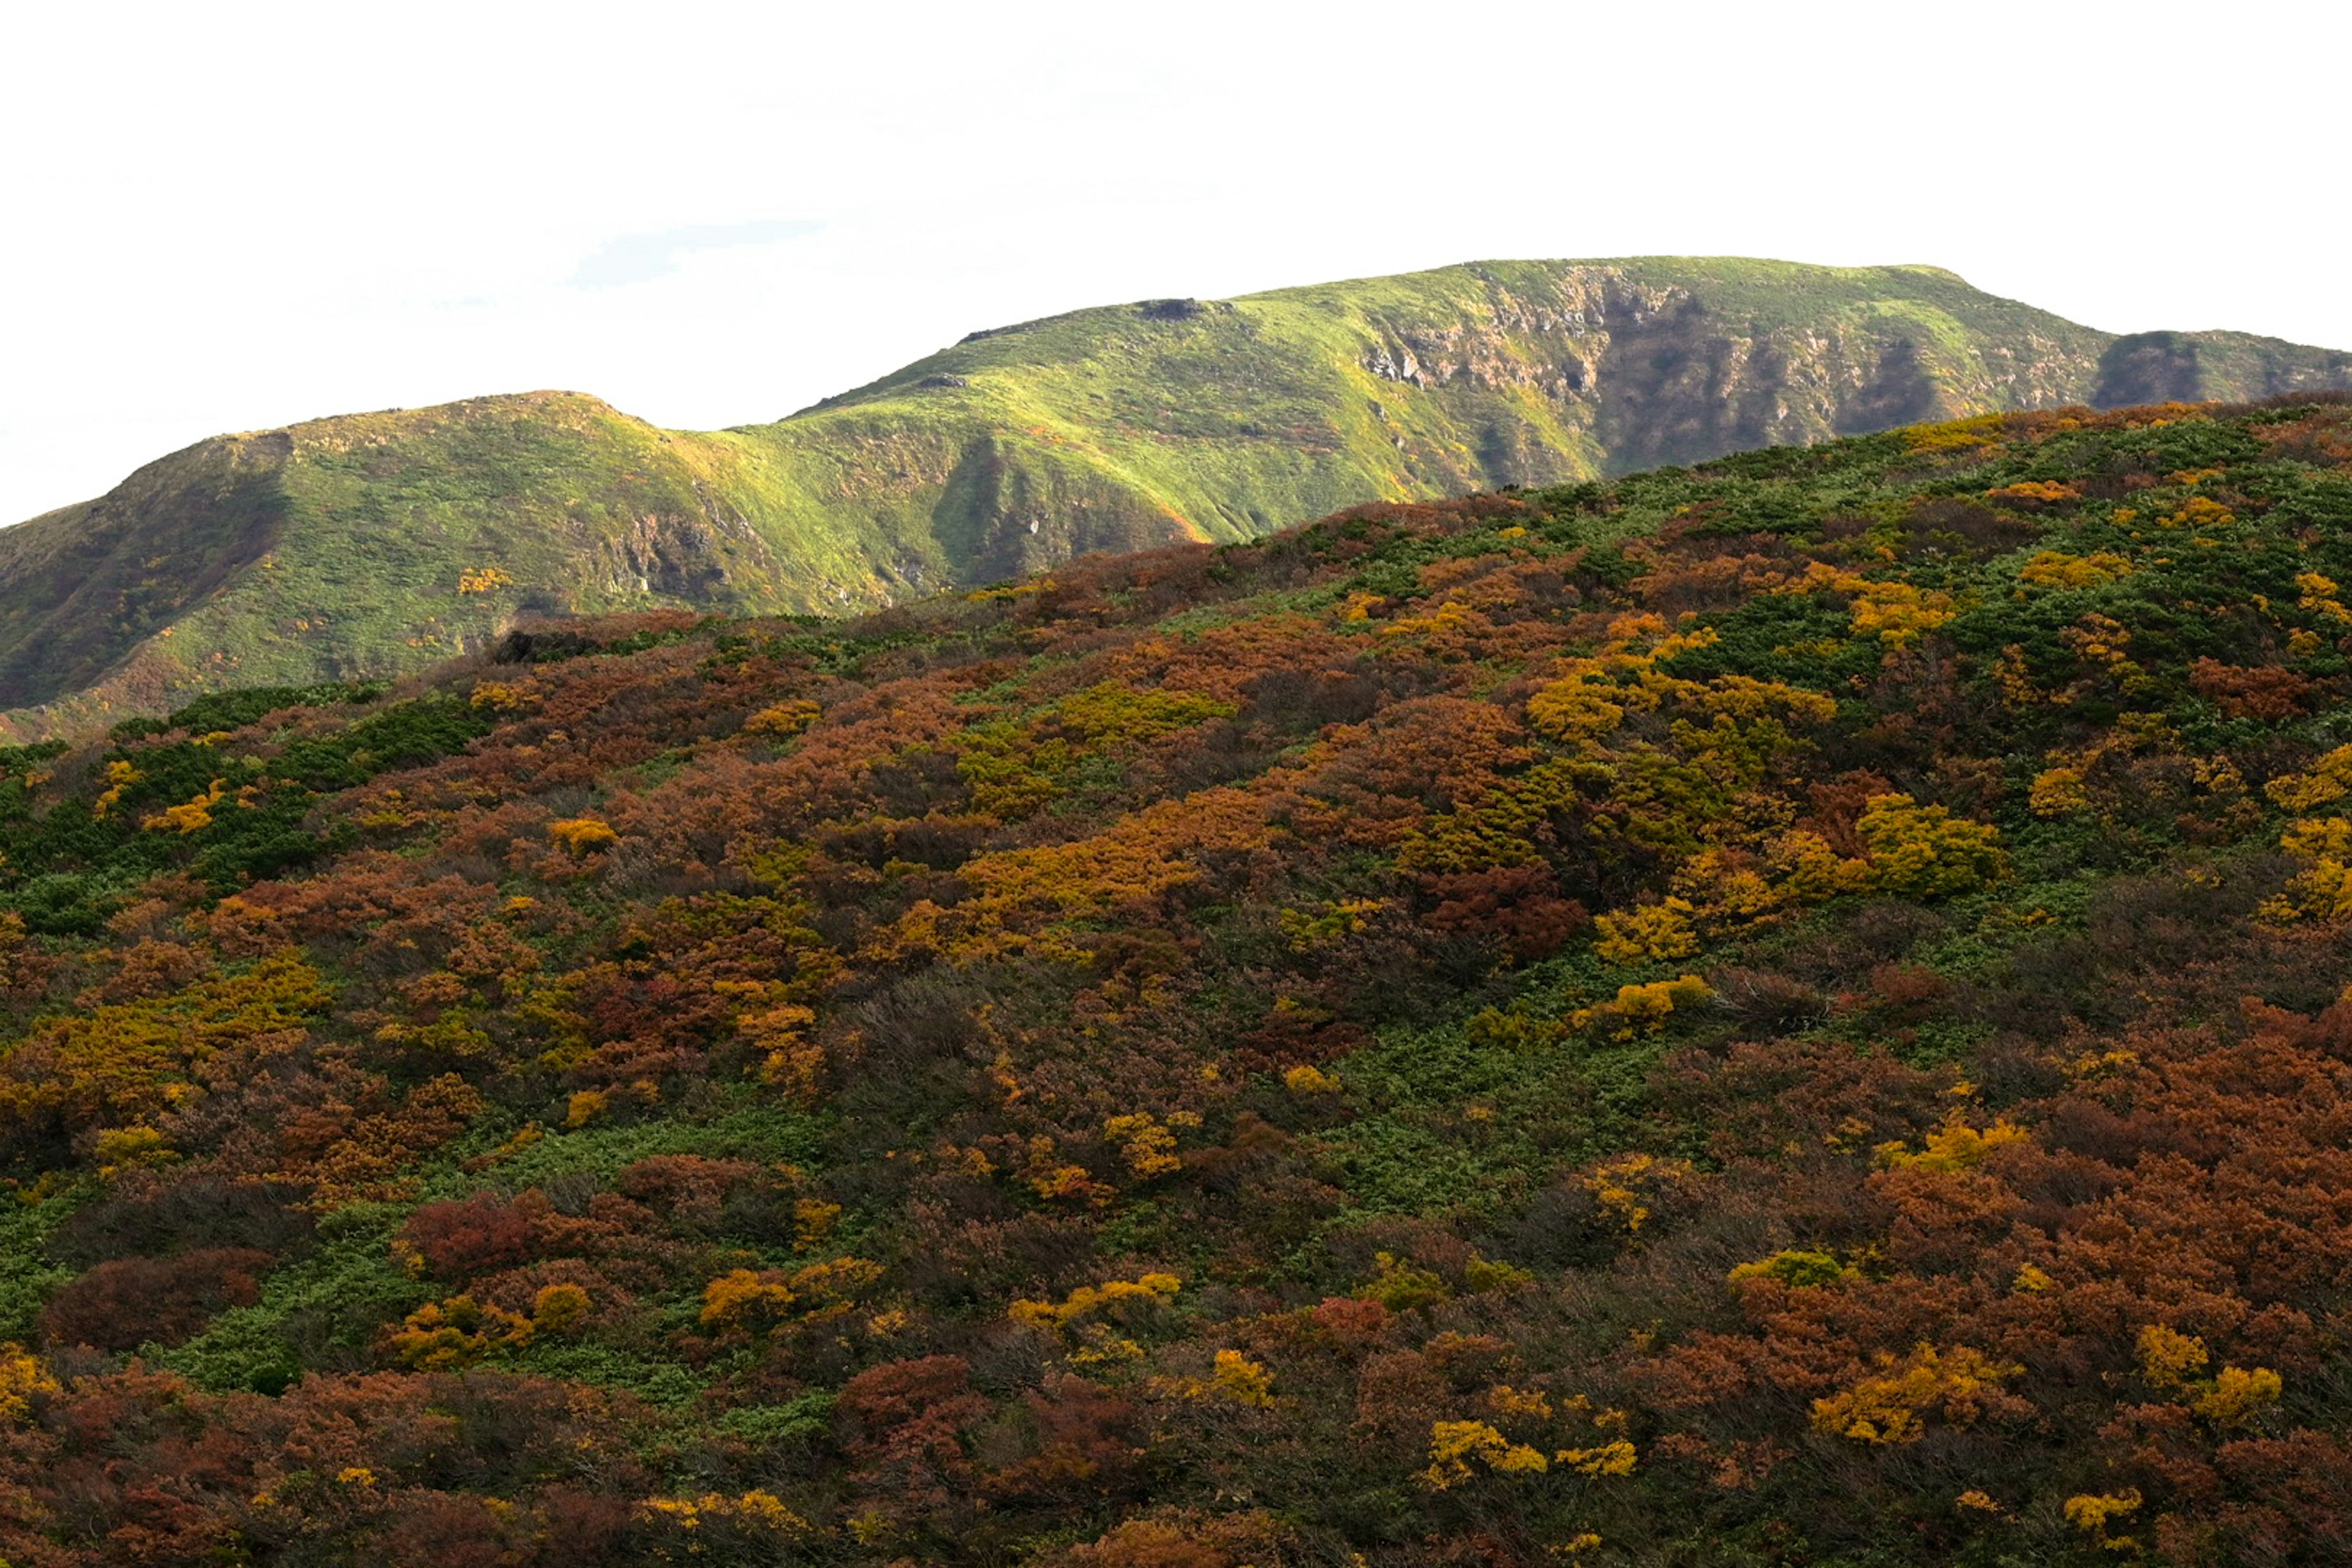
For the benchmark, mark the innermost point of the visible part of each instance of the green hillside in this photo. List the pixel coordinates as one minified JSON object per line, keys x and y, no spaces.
{"x":1793,"y":1012}
{"x":374,"y":544}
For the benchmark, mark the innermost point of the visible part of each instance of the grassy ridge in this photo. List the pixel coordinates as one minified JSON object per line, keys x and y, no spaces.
{"x":344,"y":548}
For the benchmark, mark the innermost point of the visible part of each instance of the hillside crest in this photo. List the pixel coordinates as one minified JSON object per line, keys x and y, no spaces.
{"x":375,"y":544}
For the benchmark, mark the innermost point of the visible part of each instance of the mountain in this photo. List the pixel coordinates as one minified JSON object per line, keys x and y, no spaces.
{"x":1787,"y":1011}
{"x":374,"y":544}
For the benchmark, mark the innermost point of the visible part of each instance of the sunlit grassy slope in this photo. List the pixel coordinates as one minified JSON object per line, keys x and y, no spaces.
{"x":373,"y":544}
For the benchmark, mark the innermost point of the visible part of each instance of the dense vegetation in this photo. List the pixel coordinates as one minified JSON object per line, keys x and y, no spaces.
{"x":373,"y":545}
{"x":1784,"y":1012}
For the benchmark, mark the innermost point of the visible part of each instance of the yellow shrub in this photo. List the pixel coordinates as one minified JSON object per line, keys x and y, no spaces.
{"x":1584,"y":707}
{"x":119,"y":776}
{"x":2056,"y":569}
{"x":1644,"y":1008}
{"x":1728,"y":889}
{"x":458,"y":1332}
{"x":1110,"y":713}
{"x":2058,"y":791}
{"x":1609,"y":1459}
{"x":1925,"y":850}
{"x":2199,"y":511}
{"x":813,"y":1221}
{"x":1241,"y":1381}
{"x":559,"y":1308}
{"x":2035,"y":490}
{"x":1088,"y":1300}
{"x":742,"y":1299}
{"x":2092,"y":1512}
{"x":193,"y":816}
{"x":782,"y":721}
{"x":1798,"y":1269}
{"x":2169,"y":1358}
{"x":1892,"y":1407}
{"x":1305,"y":1080}
{"x":789,"y":1058}
{"x":22,"y":1377}
{"x":1954,"y":434}
{"x":1647,"y":933}
{"x":2323,"y":890}
{"x":1455,"y":1446}
{"x":1149,"y":1147}
{"x":2325,"y":783}
{"x":761,"y":1510}
{"x":499,"y":697}
{"x":1811,"y":871}
{"x":120,"y":1148}
{"x":1955,"y":1146}
{"x":582,"y":834}
{"x":2319,"y":838}
{"x":1627,"y":1185}
{"x":1897,"y":613}
{"x":2318,"y":598}
{"x":1514,"y":1404}
{"x":2238,"y":1395}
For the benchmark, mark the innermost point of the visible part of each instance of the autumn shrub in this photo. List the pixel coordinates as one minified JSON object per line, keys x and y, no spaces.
{"x":1188,"y":1538}
{"x":1892,"y":1405}
{"x":130,"y":1301}
{"x":1923,"y":851}
{"x":460,"y":1240}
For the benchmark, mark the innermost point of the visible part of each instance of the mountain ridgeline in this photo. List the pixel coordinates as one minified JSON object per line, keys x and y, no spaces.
{"x":375,"y":544}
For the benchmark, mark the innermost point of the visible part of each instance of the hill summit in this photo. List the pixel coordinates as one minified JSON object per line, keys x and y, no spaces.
{"x":374,"y":544}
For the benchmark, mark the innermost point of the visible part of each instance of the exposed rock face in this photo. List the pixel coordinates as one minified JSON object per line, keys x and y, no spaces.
{"x":672,"y":556}
{"x":1663,"y":374}
{"x":2150,"y":367}
{"x":1898,"y":391}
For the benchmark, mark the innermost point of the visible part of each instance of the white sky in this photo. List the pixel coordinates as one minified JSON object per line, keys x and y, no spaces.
{"x":228,"y":217}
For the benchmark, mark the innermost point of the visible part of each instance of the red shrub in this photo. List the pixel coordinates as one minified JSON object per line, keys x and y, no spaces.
{"x":131,"y":1301}
{"x":1518,"y":907}
{"x":480,"y":1235}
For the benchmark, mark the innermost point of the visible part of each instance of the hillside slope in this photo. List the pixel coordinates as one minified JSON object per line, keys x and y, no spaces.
{"x":1792,"y":1011}
{"x":345,"y":547}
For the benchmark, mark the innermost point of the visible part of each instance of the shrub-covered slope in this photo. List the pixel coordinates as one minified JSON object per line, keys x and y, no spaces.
{"x":375,"y":544}
{"x":1783,"y":1012}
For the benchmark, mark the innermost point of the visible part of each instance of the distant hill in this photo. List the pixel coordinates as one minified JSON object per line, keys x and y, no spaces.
{"x":376,"y":543}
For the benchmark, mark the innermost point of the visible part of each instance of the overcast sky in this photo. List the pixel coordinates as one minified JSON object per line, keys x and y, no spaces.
{"x":230,"y":217}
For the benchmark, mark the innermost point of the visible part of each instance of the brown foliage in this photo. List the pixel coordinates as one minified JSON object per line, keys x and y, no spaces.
{"x":131,"y":1301}
{"x":480,"y":1235}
